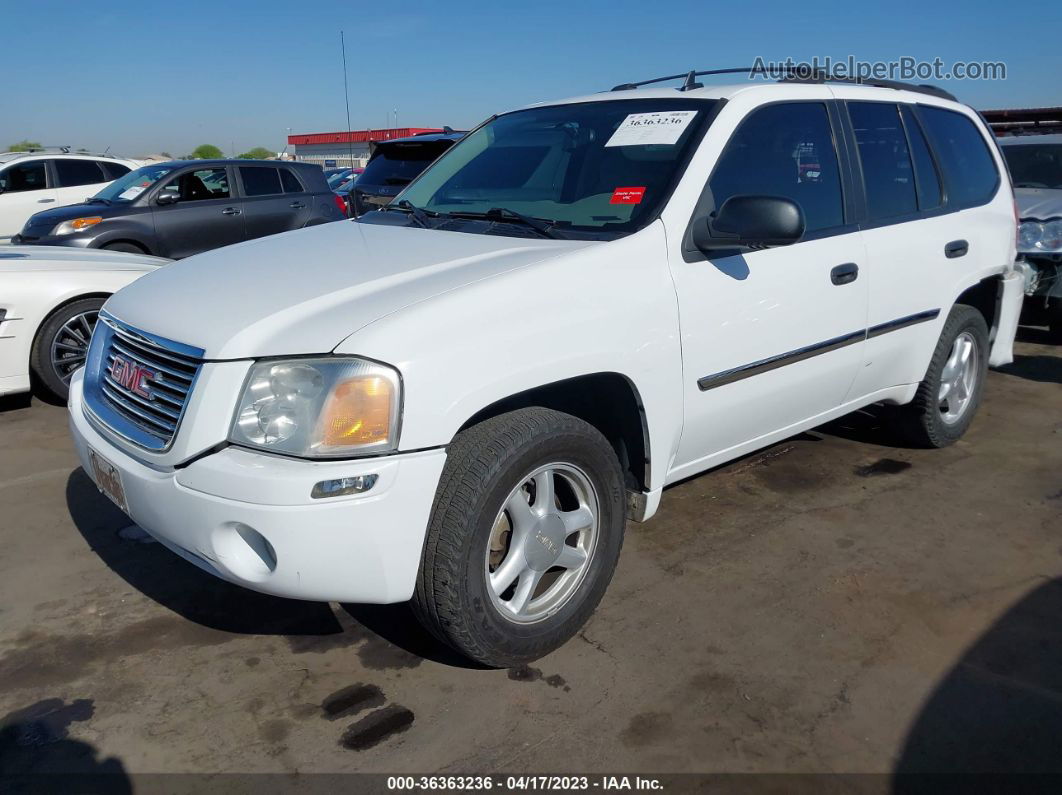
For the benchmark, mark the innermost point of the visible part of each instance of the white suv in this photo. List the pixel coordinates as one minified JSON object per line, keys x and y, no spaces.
{"x":43,"y":179}
{"x":460,"y":399}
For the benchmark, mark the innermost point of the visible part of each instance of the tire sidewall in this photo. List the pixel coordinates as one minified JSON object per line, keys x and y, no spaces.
{"x":597,"y":461}
{"x":972,"y":321}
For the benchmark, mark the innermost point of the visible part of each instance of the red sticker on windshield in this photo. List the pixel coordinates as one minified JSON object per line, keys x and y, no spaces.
{"x":627,"y":195}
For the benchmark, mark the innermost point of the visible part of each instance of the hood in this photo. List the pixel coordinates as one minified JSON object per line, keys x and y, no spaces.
{"x":304,"y":292}
{"x":57,"y":215}
{"x":1039,"y":203}
{"x":27,"y":259}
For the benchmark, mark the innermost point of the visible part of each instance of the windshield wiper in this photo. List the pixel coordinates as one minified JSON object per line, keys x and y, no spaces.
{"x":544,"y":228}
{"x":100,"y":199}
{"x":415,"y":212}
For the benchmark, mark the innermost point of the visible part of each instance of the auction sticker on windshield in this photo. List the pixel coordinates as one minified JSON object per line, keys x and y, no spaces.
{"x":108,"y":479}
{"x":627,"y":195}
{"x":663,"y":127}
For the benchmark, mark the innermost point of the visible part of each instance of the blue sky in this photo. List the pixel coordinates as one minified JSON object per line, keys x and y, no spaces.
{"x":150,"y":76}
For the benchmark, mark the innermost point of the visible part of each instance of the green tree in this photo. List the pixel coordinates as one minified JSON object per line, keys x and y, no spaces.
{"x":206,"y":152}
{"x":22,"y":146}
{"x":258,"y":153}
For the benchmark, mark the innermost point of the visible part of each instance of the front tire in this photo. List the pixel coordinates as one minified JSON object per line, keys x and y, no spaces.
{"x":948,"y":397}
{"x":129,"y":248}
{"x":62,"y":343}
{"x":524,"y":536}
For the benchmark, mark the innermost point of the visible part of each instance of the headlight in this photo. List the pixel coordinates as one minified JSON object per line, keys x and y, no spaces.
{"x":319,"y":408}
{"x":1040,"y":237}
{"x":76,"y":225}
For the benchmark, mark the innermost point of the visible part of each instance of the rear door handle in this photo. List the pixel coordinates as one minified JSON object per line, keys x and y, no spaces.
{"x":845,"y":274}
{"x":231,"y":211}
{"x":956,"y":248}
{"x":297,"y":206}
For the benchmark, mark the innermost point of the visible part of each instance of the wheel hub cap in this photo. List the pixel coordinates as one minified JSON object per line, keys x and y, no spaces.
{"x":542,"y":542}
{"x":958,"y":379}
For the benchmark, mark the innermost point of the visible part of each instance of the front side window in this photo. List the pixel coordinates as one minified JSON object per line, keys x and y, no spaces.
{"x":200,"y":185}
{"x":1035,"y":165}
{"x":260,"y":181}
{"x":24,"y":176}
{"x":888,"y":176}
{"x":969,"y":170}
{"x":601,"y":168}
{"x":786,"y":150}
{"x":72,"y":173}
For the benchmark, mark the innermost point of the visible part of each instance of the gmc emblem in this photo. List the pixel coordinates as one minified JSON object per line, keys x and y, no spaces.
{"x":132,"y":376}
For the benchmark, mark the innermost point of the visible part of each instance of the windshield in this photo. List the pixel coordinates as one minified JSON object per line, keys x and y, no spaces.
{"x":401,"y":163}
{"x":603,"y":167}
{"x":1035,"y":165}
{"x":127,"y":188}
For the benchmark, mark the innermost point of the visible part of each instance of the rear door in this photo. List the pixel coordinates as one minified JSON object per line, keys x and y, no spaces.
{"x":930,"y":222}
{"x":27,"y":189}
{"x":77,"y":179}
{"x":274,"y":200}
{"x":206,"y":215}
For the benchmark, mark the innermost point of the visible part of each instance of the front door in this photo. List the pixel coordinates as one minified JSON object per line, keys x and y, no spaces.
{"x":204,"y":217}
{"x":770,"y":338}
{"x":24,"y":190}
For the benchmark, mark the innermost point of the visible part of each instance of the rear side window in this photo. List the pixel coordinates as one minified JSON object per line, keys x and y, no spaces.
{"x":290,"y":182}
{"x":260,"y":180}
{"x":115,"y":170}
{"x":970,"y":175}
{"x":785,"y":150}
{"x":72,"y":173}
{"x":927,"y":181}
{"x":887,"y":172}
{"x":25,"y":176}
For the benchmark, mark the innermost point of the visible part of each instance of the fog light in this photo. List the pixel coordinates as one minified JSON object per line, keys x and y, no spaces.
{"x":341,"y":487}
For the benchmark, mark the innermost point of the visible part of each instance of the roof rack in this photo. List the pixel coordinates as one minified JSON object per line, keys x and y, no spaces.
{"x":794,"y":75}
{"x":58,"y":150}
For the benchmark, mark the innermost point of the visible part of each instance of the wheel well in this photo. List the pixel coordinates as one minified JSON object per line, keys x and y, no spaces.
{"x":57,"y":307}
{"x":985,"y":297}
{"x":608,"y":401}
{"x":136,"y":243}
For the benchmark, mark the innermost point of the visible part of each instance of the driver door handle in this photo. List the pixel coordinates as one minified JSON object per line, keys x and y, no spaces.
{"x":845,"y":274}
{"x":231,"y":211}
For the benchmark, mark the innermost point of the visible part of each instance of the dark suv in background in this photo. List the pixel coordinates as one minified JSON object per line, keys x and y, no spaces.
{"x":393,"y":165}
{"x":184,"y":207}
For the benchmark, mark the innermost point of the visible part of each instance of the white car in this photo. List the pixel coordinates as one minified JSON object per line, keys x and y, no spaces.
{"x":50,"y":298}
{"x":460,"y":399}
{"x":43,"y":179}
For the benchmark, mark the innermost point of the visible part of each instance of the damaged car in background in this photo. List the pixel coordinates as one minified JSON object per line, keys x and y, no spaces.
{"x":1035,"y":163}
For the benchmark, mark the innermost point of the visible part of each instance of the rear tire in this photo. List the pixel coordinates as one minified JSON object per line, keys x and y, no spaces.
{"x":524,"y":536}
{"x":130,"y":248}
{"x":948,"y":397}
{"x":62,"y":345}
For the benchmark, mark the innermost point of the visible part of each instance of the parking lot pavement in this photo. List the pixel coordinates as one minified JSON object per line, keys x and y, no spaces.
{"x":834,"y":603}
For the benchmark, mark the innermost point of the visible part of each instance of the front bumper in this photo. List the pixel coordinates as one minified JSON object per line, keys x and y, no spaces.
{"x":248,"y":518}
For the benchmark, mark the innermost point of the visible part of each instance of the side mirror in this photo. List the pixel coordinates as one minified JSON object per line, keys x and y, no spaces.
{"x":750,"y":222}
{"x":167,"y":197}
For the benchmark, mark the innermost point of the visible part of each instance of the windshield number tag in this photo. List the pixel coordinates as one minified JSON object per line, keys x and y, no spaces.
{"x":639,"y":129}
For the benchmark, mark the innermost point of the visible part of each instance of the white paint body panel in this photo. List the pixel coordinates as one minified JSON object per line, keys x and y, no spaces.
{"x":34,"y":280}
{"x":469,"y":320}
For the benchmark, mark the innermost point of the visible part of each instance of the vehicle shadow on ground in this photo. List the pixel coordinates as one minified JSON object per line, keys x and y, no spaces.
{"x":870,"y":425}
{"x":999,"y":710}
{"x":38,"y":756}
{"x":15,"y":402}
{"x":1045,"y":369}
{"x":208,"y":601}
{"x":1037,"y":335}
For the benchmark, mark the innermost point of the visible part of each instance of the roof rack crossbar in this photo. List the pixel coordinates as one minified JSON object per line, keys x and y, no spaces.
{"x":794,"y":75}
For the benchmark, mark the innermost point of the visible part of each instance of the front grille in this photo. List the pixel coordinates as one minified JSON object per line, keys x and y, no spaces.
{"x":138,"y":384}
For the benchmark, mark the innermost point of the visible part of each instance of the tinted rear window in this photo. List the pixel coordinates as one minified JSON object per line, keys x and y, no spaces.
{"x":887,"y":172}
{"x":970,"y":175}
{"x":260,"y":180}
{"x":79,"y":172}
{"x":400,"y":164}
{"x":115,"y":170}
{"x":290,"y":181}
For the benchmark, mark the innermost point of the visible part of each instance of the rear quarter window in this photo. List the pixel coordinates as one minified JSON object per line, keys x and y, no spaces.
{"x":290,"y":182}
{"x":970,"y":175}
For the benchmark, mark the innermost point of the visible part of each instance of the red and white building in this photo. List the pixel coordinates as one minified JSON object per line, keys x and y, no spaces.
{"x":349,"y":149}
